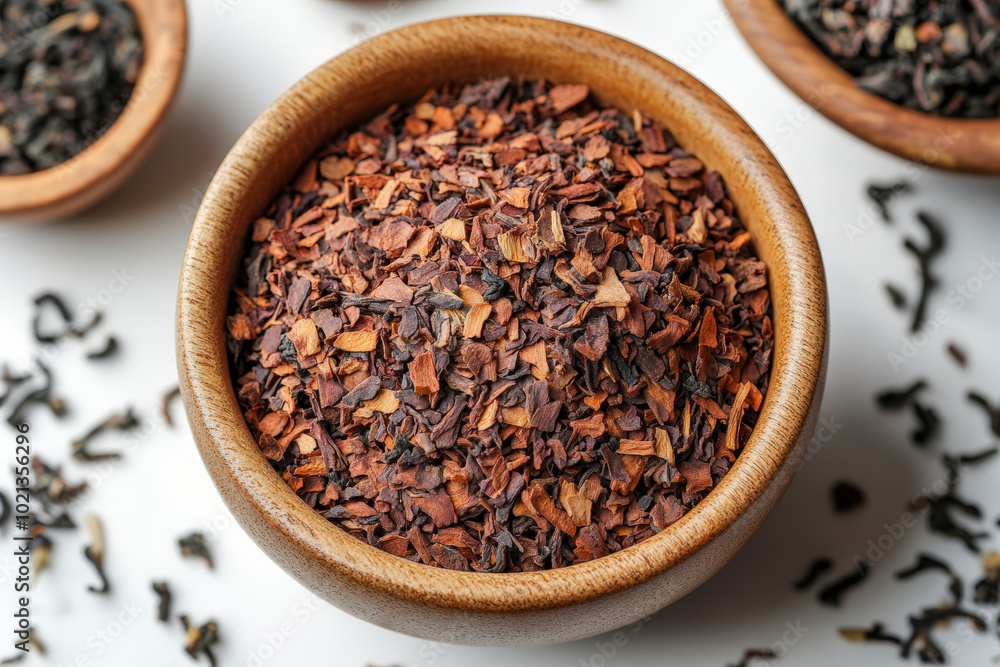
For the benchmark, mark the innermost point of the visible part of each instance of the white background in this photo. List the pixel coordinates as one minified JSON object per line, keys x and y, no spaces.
{"x":243,"y":58}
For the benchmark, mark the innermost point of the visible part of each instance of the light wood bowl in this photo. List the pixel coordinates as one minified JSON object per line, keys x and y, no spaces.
{"x":522,"y":608}
{"x":100,"y":168}
{"x":963,"y":145}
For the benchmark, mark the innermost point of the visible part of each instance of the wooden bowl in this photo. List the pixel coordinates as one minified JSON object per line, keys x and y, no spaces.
{"x":100,"y":168}
{"x":517,"y":608}
{"x":963,"y":145}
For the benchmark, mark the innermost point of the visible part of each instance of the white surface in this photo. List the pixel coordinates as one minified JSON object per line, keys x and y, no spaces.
{"x":244,"y":53}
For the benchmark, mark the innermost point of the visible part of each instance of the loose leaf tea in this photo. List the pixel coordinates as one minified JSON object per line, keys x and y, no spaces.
{"x":51,"y":300}
{"x":987,"y":591}
{"x":935,"y":617}
{"x":924,"y":255}
{"x":882,"y":195}
{"x":896,"y":296}
{"x":992,"y":412}
{"x":41,"y":395}
{"x":166,"y":402}
{"x":876,"y":633}
{"x":5,"y":510}
{"x":67,"y":70}
{"x":125,"y":421}
{"x":832,"y":594}
{"x":939,"y":513}
{"x":958,"y":354}
{"x":938,"y":57}
{"x":162,"y":591}
{"x":194,"y":545}
{"x":201,"y":639}
{"x":94,"y":552}
{"x":817,"y":569}
{"x":504,"y":329}
{"x":752,"y":655}
{"x":896,"y":399}
{"x":925,"y":563}
{"x":110,"y":349}
{"x":846,"y":497}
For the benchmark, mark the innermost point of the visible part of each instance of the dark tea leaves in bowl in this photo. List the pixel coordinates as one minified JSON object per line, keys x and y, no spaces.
{"x":506,"y":328}
{"x":941,"y":58}
{"x":67,"y":70}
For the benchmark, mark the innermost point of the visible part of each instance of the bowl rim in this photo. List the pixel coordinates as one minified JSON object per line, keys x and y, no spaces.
{"x":970,"y":145}
{"x":105,"y":163}
{"x":240,"y":471}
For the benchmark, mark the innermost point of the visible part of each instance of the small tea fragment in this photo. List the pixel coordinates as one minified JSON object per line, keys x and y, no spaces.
{"x":125,"y":421}
{"x":165,"y":598}
{"x":833,"y":594}
{"x":992,"y":412}
{"x":846,"y":496}
{"x":195,"y":545}
{"x":201,"y":639}
{"x":94,"y":552}
{"x":752,"y":655}
{"x":876,"y":633}
{"x":165,"y":403}
{"x":357,"y":341}
{"x":897,"y":399}
{"x":817,"y":569}
{"x":109,"y":349}
{"x":958,"y":355}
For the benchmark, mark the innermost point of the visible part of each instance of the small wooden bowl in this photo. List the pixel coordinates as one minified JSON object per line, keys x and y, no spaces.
{"x":519,"y":608}
{"x":100,"y":168}
{"x":971,"y":146}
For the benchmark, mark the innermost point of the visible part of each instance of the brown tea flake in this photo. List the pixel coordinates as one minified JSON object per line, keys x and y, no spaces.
{"x":357,"y":341}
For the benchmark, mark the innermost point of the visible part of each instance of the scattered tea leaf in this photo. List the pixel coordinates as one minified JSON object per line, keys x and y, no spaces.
{"x":195,"y":545}
{"x":109,"y":350}
{"x":832,"y":594}
{"x":94,"y":552}
{"x":817,"y":569}
{"x":846,"y":497}
{"x":162,"y":590}
{"x":201,"y":639}
{"x":126,"y":421}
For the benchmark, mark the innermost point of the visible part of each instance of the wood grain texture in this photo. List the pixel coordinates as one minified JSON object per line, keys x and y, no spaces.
{"x":521,"y":608}
{"x":99,"y":169}
{"x":971,"y":146}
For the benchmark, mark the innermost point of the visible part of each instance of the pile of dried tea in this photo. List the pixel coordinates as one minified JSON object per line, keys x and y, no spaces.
{"x":938,"y":57}
{"x":504,"y":329}
{"x":67,"y":70}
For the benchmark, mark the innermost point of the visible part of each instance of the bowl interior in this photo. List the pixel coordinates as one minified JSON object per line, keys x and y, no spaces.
{"x":947,"y":143}
{"x":401,"y":66}
{"x":105,"y":164}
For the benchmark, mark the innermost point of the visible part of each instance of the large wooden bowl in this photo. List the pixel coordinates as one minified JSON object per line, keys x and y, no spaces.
{"x":946,"y":143}
{"x":100,"y":168}
{"x":477,"y":608}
